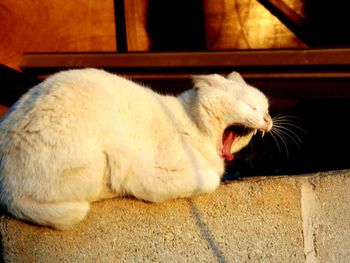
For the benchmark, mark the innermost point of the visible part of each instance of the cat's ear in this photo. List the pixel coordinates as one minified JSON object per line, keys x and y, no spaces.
{"x":236,"y":76}
{"x":213,"y":81}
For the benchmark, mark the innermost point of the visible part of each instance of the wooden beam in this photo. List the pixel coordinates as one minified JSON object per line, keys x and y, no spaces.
{"x":298,"y":74}
{"x":311,"y":63}
{"x":291,"y":19}
{"x":272,"y":60}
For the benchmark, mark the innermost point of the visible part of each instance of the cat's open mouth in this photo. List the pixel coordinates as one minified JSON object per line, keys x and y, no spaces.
{"x":230,"y":136}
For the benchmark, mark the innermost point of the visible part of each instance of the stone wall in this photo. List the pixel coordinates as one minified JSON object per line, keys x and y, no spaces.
{"x":262,"y":219}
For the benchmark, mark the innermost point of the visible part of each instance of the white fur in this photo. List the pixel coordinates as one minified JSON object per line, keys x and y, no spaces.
{"x":85,"y":135}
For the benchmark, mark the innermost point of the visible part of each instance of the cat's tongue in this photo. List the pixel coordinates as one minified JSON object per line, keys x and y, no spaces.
{"x":227,"y":140}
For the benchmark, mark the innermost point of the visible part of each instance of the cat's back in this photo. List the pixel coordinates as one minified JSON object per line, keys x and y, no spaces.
{"x":83,"y":94}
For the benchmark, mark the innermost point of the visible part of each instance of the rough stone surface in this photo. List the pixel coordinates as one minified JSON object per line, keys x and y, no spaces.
{"x":332,"y":226}
{"x":252,"y":220}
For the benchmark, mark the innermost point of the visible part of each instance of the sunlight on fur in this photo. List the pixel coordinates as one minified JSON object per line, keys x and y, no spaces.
{"x":86,"y":135}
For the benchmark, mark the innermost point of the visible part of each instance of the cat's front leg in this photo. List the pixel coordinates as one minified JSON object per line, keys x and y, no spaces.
{"x":162,"y":184}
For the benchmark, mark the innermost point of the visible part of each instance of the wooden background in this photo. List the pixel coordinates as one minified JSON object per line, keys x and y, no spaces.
{"x":89,"y":26}
{"x":55,"y":26}
{"x":246,"y":24}
{"x":311,"y":83}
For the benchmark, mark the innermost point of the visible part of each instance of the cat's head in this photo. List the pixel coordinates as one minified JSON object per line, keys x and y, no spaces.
{"x":232,"y":109}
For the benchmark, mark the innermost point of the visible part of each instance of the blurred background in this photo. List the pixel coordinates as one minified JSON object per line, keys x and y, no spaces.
{"x":296,"y":51}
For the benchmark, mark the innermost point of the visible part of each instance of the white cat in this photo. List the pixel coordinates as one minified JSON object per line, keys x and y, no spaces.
{"x":86,"y":135}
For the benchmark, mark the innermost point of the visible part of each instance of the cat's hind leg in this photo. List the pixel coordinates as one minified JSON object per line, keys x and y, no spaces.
{"x":58,"y":215}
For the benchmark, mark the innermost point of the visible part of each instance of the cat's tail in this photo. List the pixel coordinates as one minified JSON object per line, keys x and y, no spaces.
{"x":59,"y":215}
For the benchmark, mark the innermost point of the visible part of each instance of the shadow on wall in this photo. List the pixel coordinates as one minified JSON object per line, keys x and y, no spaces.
{"x":180,"y":24}
{"x":205,"y":231}
{"x":176,"y":25}
{"x":328,"y":22}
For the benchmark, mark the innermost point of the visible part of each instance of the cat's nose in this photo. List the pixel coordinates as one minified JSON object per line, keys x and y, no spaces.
{"x":267,"y":117}
{"x":268,"y":121}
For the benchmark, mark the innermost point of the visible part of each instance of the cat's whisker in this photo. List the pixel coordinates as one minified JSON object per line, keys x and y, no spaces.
{"x":289,"y":133}
{"x":289,"y":123}
{"x":283,"y":140}
{"x":298,"y":145}
{"x":286,"y":122}
{"x":289,"y":118}
{"x":285,"y":130}
{"x":276,"y":142}
{"x":278,"y":135}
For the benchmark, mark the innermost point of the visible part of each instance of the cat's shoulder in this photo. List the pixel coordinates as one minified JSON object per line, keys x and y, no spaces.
{"x":80,"y":76}
{"x":87,"y":82}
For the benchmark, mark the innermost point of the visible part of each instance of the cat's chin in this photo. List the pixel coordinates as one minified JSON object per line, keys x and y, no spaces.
{"x":234,"y":138}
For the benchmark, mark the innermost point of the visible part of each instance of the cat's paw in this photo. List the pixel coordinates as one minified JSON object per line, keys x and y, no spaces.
{"x":207,"y":182}
{"x":60,"y":215}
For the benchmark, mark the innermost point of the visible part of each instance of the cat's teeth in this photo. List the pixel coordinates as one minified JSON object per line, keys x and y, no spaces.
{"x":255,"y":132}
{"x":262,"y":134}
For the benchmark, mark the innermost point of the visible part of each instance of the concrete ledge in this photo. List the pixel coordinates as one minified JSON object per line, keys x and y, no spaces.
{"x":262,"y":219}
